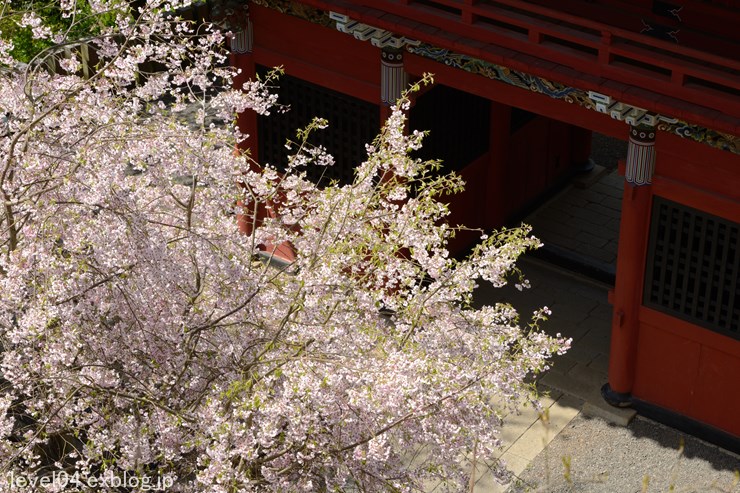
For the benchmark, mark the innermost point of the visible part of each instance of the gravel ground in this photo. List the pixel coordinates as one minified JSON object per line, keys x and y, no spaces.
{"x":612,"y":459}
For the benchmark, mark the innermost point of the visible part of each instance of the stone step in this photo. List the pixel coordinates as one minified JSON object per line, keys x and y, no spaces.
{"x":585,"y":383}
{"x":588,"y":178}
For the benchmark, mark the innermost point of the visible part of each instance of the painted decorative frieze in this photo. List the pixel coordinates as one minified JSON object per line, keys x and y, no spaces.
{"x":297,"y":9}
{"x":503,"y":74}
{"x":602,"y":103}
{"x":363,"y":32}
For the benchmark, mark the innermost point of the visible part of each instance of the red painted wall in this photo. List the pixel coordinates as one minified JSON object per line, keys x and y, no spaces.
{"x":704,"y":169}
{"x":678,"y":365}
{"x":540,"y":155}
{"x":520,"y":166}
{"x":320,"y":55}
{"x":518,"y":169}
{"x":469,"y":207}
{"x":689,"y":370}
{"x":697,"y":24}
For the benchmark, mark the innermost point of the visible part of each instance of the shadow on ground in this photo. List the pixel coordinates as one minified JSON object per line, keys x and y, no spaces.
{"x":607,"y":458}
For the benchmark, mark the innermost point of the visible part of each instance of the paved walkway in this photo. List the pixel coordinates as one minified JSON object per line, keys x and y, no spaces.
{"x":582,"y":221}
{"x":583,"y":218}
{"x":580,"y":225}
{"x":580,"y":311}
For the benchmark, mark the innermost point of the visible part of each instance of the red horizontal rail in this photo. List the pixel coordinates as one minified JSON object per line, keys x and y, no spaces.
{"x":677,"y":50}
{"x":679,"y":60}
{"x":595,"y":49}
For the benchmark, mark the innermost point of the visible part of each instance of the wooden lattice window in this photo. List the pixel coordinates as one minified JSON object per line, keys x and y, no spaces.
{"x":352,"y":124}
{"x":693,"y":267}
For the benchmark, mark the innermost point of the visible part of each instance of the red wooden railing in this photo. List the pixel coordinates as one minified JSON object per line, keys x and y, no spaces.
{"x":504,"y":30}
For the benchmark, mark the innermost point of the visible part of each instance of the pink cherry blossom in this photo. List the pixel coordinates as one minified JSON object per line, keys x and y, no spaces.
{"x":143,"y":335}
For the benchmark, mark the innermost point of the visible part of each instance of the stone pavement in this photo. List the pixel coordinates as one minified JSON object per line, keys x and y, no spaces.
{"x":584,"y":219}
{"x":580,"y":311}
{"x":580,"y":223}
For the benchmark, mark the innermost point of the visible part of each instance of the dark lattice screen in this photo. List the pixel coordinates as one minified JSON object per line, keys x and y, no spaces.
{"x":352,"y":124}
{"x":458,"y":125}
{"x":693,"y":267}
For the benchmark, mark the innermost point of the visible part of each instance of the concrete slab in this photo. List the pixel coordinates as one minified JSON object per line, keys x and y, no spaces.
{"x":563,"y":363}
{"x":568,"y":385}
{"x":484,"y":481}
{"x":587,"y":375}
{"x":584,"y":217}
{"x":585,"y":180}
{"x":554,"y":419}
{"x":600,"y":363}
{"x":516,"y":424}
{"x":610,"y":414}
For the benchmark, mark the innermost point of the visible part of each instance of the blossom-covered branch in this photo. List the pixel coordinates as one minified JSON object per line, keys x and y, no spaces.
{"x":143,"y":335}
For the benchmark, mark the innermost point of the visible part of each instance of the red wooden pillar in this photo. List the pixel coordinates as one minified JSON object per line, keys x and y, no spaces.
{"x":633,"y":232}
{"x":496,"y":210}
{"x":581,"y":148}
{"x":241,"y":44}
{"x":241,"y":57}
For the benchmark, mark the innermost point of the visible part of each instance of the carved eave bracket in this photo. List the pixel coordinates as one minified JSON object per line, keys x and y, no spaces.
{"x":363,"y":32}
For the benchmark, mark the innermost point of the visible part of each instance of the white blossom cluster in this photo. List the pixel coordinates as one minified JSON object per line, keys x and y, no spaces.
{"x":143,"y":334}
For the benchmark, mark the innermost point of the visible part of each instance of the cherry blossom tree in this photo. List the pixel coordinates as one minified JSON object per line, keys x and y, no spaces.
{"x":143,"y":336}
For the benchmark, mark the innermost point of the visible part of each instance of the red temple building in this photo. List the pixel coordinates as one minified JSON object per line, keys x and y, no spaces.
{"x":520,"y":87}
